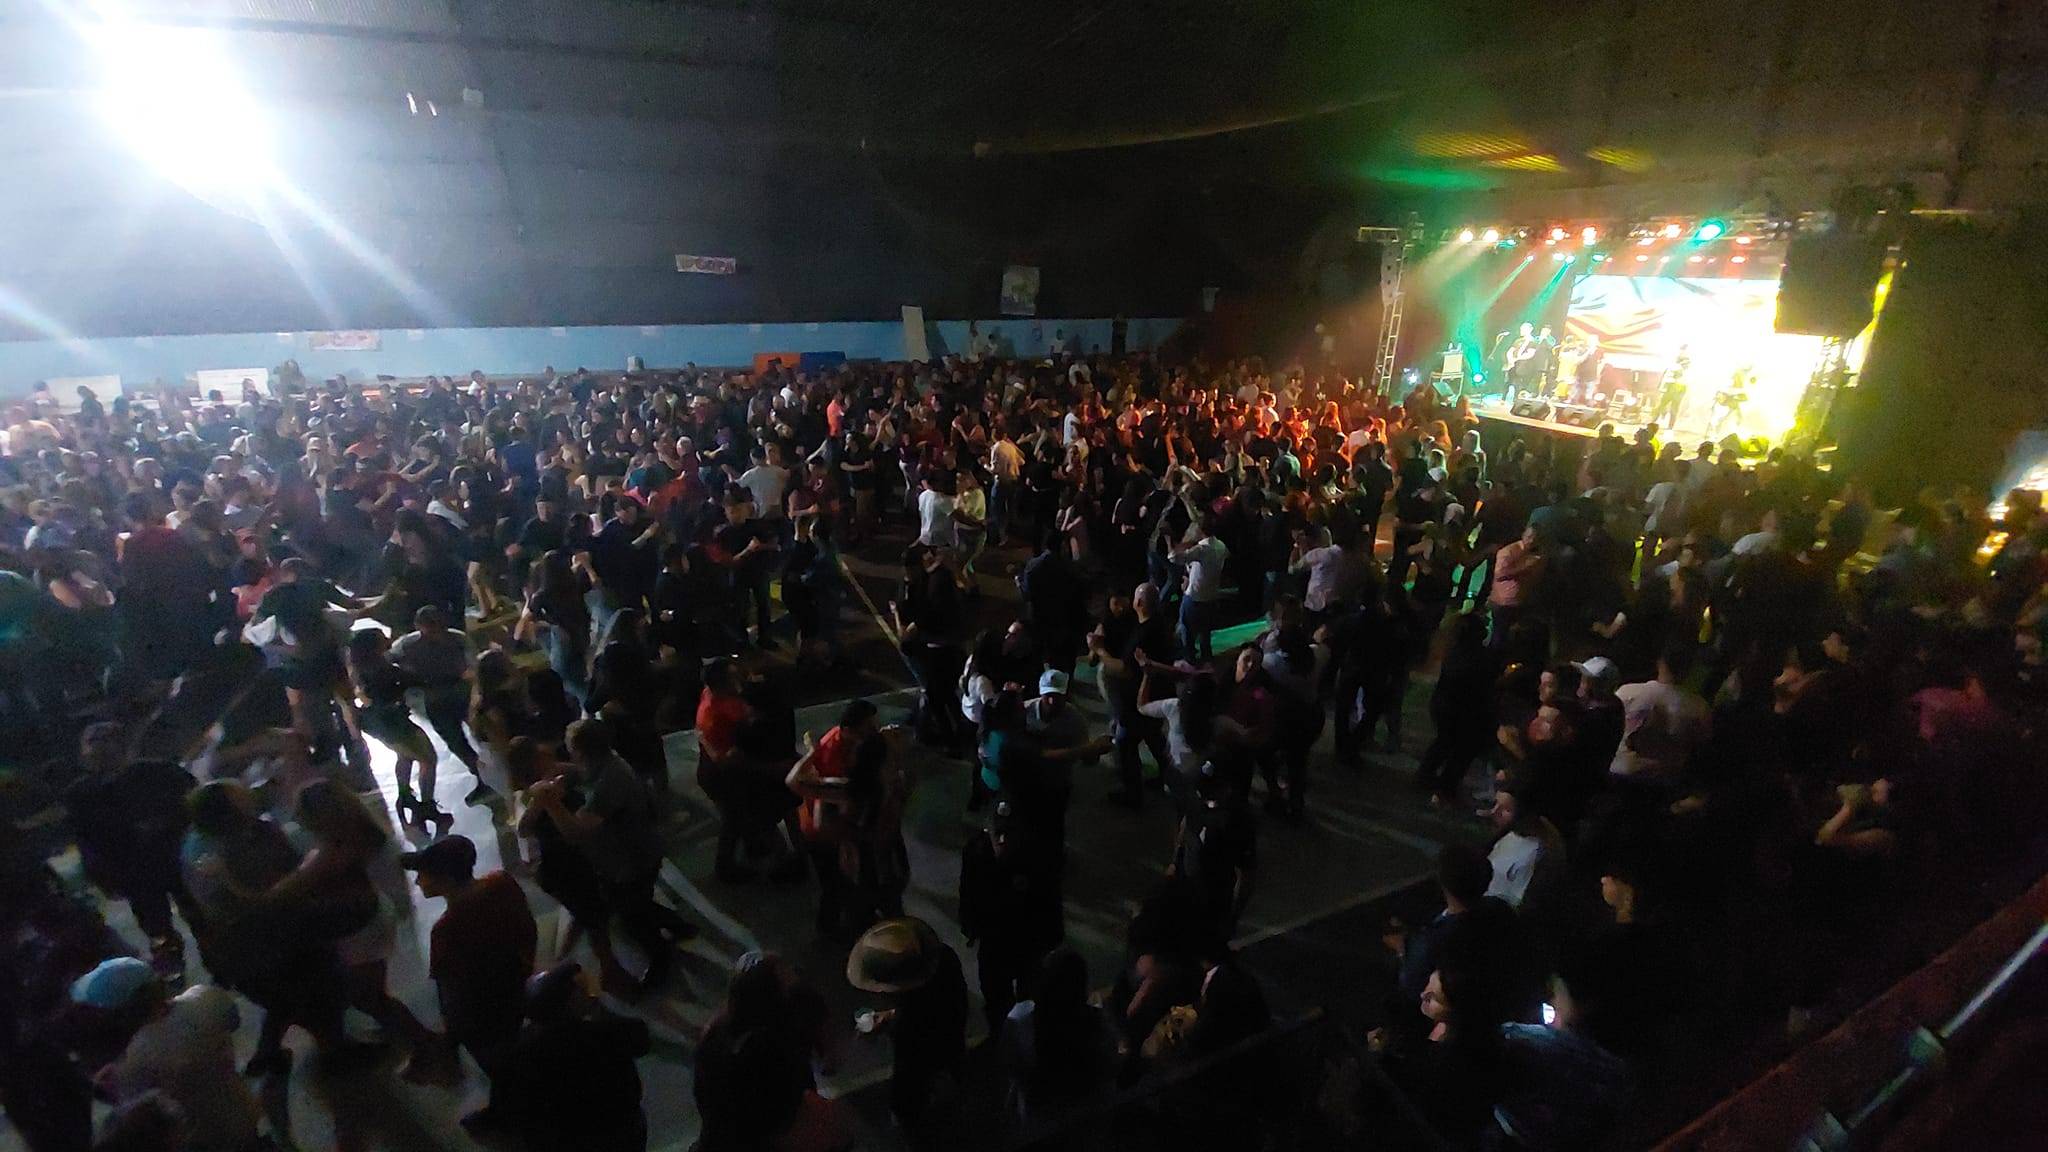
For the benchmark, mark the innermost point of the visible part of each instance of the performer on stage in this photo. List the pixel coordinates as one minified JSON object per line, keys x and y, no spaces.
{"x":1727,"y":412}
{"x":1671,"y":394}
{"x":1545,"y":359}
{"x":1586,"y":380}
{"x":1519,"y":365}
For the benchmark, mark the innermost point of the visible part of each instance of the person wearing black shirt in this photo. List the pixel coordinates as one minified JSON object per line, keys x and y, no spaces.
{"x":928,"y":620}
{"x":622,"y":554}
{"x":424,"y":573}
{"x":1374,"y":479}
{"x":1010,"y":909}
{"x":1132,"y":626}
{"x":748,"y":549}
{"x":545,"y":533}
{"x":1214,"y":852}
{"x":1412,"y":510}
{"x":1055,"y":603}
{"x":569,"y":1079}
{"x":856,"y":465}
{"x":1462,"y":709}
{"x":129,"y":819}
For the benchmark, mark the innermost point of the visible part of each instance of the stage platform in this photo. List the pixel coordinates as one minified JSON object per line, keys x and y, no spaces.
{"x":1495,"y":412}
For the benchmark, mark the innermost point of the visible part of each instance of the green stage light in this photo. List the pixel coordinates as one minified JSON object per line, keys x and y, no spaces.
{"x":1709,"y":230}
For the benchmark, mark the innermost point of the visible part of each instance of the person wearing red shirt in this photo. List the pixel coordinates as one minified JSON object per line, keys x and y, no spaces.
{"x":832,"y":812}
{"x":721,"y":714}
{"x":481,"y":950}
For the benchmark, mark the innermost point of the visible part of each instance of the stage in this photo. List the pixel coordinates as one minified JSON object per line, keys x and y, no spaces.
{"x":1494,"y":412}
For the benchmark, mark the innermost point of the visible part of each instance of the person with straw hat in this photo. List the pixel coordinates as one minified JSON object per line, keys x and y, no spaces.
{"x":927,"y":1022}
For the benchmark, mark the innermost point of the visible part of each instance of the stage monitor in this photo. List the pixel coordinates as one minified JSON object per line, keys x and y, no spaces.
{"x":1830,"y":285}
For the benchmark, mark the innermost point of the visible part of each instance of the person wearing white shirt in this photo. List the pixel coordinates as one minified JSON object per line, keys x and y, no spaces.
{"x":1663,"y":722}
{"x":1665,"y":507}
{"x":1528,"y":849}
{"x":1764,"y":539}
{"x":767,"y":482}
{"x":1204,"y":558}
{"x":1335,"y":575}
{"x":936,"y":524}
{"x":1070,"y":426}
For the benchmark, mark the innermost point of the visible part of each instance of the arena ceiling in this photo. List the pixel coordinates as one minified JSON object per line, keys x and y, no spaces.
{"x":541,"y":161}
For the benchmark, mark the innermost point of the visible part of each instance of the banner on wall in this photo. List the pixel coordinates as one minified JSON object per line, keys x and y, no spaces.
{"x":345,"y":341}
{"x":1020,"y":290}
{"x":916,"y":348}
{"x":707,"y":265}
{"x":64,"y":390}
{"x":228,"y":381}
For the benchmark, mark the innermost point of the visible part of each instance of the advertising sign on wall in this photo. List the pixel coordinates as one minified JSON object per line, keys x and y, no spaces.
{"x":345,"y":341}
{"x":707,"y":265}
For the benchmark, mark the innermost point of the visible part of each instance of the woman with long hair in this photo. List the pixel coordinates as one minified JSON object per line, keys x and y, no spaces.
{"x":337,"y":895}
{"x":1058,"y":1045}
{"x":556,"y":618}
{"x":380,"y":690}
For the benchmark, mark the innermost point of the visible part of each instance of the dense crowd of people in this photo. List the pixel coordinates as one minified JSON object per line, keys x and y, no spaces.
{"x":1694,"y":711}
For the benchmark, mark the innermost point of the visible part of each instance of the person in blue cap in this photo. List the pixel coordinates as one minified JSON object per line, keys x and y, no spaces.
{"x":182,"y":1047}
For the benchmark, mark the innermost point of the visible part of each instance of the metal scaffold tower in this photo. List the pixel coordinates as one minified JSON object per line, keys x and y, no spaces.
{"x":1394,"y":244}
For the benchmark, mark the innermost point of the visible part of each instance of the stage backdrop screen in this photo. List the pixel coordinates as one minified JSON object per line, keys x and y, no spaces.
{"x":1643,"y":322}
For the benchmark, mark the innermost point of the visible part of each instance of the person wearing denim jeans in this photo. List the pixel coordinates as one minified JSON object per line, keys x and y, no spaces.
{"x":1204,"y":560}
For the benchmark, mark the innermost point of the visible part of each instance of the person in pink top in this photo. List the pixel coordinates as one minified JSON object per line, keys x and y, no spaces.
{"x":1517,"y":574}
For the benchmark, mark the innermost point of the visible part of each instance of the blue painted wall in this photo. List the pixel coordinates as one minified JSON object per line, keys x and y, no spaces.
{"x":142,"y":360}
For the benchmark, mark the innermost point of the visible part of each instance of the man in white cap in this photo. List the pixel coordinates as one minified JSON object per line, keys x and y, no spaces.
{"x":1051,"y":716}
{"x":183,"y":1048}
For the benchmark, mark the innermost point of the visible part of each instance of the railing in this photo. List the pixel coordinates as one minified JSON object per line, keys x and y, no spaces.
{"x":1927,"y":1052}
{"x":1859,"y":1061}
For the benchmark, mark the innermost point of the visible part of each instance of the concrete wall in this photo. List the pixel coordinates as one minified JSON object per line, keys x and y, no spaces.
{"x":140,"y":361}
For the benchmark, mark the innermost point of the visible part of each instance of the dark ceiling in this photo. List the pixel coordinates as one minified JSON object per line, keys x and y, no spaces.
{"x":541,"y":161}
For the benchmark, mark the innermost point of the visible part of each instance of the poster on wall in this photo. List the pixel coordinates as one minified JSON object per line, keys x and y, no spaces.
{"x":1020,"y":290}
{"x":707,"y":265}
{"x":916,"y":348}
{"x":64,"y":390}
{"x":345,"y":341}
{"x":228,"y":381}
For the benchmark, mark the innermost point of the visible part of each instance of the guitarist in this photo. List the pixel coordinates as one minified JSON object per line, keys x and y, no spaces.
{"x":1520,"y":366}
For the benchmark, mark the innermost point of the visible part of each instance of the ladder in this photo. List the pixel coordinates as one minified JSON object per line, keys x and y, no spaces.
{"x":1396,"y":260}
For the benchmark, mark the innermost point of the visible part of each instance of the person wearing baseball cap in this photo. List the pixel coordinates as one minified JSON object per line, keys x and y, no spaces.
{"x":1597,"y":675}
{"x":481,"y":951}
{"x":1601,"y":718}
{"x":183,"y":1048}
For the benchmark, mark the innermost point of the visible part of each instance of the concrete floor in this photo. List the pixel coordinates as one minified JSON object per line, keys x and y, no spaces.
{"x":1310,"y":930}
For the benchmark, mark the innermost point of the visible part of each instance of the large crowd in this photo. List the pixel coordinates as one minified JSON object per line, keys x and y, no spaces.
{"x":1720,"y":712}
